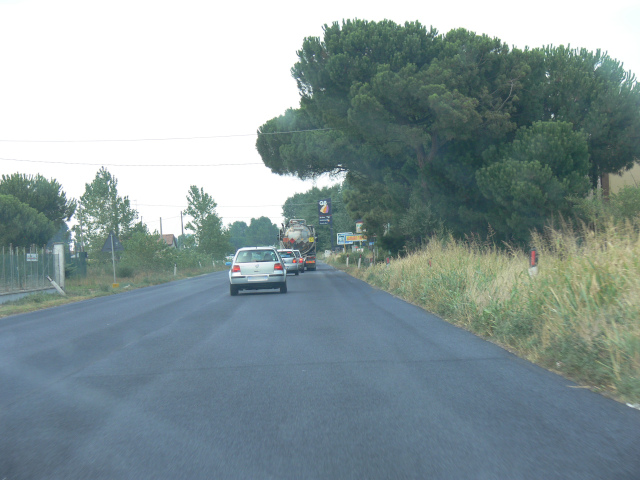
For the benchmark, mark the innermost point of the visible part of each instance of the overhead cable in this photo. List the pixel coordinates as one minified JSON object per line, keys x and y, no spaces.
{"x":164,"y":139}
{"x":134,"y":164}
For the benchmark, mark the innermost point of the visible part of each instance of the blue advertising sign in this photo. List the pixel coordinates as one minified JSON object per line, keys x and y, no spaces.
{"x":324,"y":211}
{"x":342,"y":238}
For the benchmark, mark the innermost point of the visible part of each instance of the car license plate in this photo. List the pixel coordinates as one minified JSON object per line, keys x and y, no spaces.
{"x":258,"y":278}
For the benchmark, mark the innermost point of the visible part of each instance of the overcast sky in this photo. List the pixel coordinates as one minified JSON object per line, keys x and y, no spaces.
{"x":77,"y":78}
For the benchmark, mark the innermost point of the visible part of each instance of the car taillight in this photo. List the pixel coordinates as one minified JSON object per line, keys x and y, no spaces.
{"x":277,"y":266}
{"x":235,"y":269}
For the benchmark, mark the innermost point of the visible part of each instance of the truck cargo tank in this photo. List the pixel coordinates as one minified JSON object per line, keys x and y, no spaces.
{"x":297,"y":235}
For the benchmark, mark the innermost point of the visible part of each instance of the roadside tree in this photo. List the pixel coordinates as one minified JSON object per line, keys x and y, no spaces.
{"x":210,"y":236}
{"x":262,"y":231}
{"x":413,"y":116}
{"x":22,"y":225}
{"x":46,"y":196}
{"x":213,"y":238}
{"x":102,"y":210}
{"x":598,"y":96}
{"x":533,"y":178}
{"x":43,"y":211}
{"x":238,"y":234}
{"x":200,"y":206}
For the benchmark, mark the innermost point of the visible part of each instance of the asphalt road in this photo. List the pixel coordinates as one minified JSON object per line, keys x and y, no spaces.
{"x":332,"y":380}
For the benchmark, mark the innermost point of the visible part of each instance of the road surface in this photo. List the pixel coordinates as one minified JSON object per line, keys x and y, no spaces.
{"x":332,"y":380}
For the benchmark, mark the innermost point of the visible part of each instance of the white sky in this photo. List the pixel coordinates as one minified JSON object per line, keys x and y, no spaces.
{"x":138,"y":69}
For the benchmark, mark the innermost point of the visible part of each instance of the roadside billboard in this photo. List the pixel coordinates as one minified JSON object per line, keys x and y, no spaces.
{"x":342,"y":238}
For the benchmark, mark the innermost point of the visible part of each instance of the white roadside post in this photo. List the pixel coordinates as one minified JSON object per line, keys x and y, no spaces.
{"x":533,"y":262}
{"x":58,"y":252}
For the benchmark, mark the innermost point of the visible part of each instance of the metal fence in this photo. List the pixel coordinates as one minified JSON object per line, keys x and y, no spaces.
{"x":26,"y":269}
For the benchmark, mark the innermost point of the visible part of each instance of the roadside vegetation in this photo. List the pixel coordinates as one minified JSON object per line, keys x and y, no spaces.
{"x":142,"y":258}
{"x":579,"y":316}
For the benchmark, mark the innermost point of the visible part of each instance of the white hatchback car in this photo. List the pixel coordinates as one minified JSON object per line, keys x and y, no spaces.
{"x":257,"y":268}
{"x":290,"y":260}
{"x":300,"y":260}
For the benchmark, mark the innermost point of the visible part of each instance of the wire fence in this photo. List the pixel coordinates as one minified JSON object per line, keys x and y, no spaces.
{"x":26,"y":269}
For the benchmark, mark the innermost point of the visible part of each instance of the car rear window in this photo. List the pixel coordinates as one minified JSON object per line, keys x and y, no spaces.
{"x":256,"y":256}
{"x":287,"y":254}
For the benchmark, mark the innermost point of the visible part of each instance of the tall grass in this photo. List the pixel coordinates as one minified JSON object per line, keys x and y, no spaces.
{"x":580,"y":315}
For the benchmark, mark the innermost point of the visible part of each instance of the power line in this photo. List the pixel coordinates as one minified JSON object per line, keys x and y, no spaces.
{"x":133,"y":164}
{"x":164,"y":139}
{"x":233,"y":206}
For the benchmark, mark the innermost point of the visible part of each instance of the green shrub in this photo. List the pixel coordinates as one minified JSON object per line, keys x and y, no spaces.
{"x":125,"y":271}
{"x":626,"y":203}
{"x":146,"y":253}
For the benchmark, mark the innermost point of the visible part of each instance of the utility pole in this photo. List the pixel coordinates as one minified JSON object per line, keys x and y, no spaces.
{"x":113,"y":259}
{"x":81,"y":240}
{"x":160,"y":227}
{"x":331,"y":230}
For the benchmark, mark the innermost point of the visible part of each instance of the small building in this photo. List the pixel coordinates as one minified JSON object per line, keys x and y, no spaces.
{"x":169,"y":239}
{"x":612,"y":183}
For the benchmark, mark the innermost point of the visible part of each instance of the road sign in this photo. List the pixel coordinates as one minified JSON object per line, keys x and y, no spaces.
{"x":117,"y":246}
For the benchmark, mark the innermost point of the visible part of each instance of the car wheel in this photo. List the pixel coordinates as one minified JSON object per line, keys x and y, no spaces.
{"x":297,"y":273}
{"x":283,"y":288}
{"x":233,"y":290}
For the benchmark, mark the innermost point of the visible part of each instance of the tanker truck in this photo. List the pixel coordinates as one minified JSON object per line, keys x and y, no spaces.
{"x":300,"y":236}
